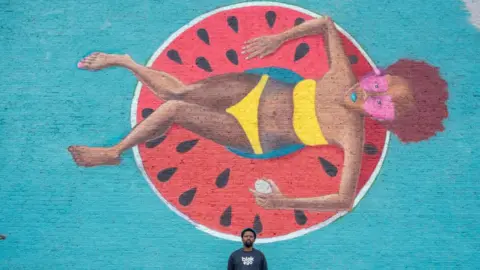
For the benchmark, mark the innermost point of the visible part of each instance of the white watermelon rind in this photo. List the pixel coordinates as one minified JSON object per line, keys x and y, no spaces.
{"x":201,"y":227}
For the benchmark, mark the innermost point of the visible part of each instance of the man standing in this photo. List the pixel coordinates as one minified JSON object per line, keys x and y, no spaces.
{"x":247,"y":257}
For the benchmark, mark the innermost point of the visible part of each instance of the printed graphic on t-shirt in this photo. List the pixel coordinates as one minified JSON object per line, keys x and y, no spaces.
{"x":247,"y":260}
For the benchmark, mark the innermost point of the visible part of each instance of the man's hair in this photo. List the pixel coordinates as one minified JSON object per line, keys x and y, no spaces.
{"x":249,"y":230}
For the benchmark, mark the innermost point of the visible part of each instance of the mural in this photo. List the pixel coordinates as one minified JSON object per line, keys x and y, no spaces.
{"x":260,"y":113}
{"x":149,"y":134}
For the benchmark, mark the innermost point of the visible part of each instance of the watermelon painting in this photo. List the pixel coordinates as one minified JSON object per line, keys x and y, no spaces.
{"x":208,"y":184}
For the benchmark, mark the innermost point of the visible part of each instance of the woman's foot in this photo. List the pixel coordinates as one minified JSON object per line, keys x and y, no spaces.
{"x":98,"y":61}
{"x":94,"y":156}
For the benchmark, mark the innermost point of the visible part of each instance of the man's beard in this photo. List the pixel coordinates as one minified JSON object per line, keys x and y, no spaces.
{"x":248,"y":243}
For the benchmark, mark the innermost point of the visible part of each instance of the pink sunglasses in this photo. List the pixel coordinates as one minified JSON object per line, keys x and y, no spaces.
{"x":379,"y":107}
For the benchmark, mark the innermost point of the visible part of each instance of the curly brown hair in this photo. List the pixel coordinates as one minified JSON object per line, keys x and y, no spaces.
{"x":423,"y":119}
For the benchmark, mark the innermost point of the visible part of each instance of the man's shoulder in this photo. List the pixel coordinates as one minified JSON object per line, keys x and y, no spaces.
{"x":236,"y":251}
{"x":240,"y":250}
{"x":258,"y":251}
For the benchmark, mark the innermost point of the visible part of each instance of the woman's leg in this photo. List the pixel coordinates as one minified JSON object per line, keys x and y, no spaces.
{"x":163,"y":85}
{"x":218,"y":92}
{"x":219,"y":127}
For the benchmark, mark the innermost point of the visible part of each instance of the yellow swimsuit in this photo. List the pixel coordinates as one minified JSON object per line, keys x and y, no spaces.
{"x":305,"y":121}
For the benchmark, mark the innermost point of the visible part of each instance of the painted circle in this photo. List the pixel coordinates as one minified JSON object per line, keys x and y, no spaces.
{"x":204,"y":182}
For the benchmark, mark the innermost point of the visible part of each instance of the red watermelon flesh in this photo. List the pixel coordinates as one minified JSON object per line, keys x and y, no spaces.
{"x":209,"y":184}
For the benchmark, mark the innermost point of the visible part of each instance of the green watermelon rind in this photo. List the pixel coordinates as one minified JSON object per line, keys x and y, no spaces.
{"x":236,"y":238}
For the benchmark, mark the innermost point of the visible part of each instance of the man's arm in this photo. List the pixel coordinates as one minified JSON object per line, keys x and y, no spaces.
{"x":230,"y":266}
{"x":264,"y":265}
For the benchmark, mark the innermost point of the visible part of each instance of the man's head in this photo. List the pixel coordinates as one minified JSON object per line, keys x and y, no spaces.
{"x":248,"y":237}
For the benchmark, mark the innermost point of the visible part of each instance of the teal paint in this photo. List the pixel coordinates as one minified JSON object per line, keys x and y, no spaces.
{"x":422,"y":211}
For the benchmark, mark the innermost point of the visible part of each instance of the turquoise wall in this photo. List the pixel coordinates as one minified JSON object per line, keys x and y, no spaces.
{"x":422,"y":212}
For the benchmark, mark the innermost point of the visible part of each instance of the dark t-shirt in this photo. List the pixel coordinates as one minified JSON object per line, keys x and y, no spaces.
{"x":251,"y":260}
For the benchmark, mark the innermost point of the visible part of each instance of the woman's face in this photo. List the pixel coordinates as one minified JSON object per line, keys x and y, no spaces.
{"x":378,"y":96}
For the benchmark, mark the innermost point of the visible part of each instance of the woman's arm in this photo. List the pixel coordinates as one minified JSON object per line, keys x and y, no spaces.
{"x":340,"y":201}
{"x":308,"y":28}
{"x":343,"y":200}
{"x":337,"y":58}
{"x":265,"y":45}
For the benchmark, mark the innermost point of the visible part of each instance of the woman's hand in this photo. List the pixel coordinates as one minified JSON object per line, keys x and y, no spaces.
{"x":261,"y":46}
{"x":273,"y":200}
{"x":266,"y":45}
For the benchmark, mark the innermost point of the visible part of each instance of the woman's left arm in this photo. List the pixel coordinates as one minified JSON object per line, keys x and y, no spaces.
{"x":265,"y":45}
{"x":311,"y":27}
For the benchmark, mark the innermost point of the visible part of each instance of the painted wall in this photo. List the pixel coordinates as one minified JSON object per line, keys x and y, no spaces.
{"x":164,"y":206}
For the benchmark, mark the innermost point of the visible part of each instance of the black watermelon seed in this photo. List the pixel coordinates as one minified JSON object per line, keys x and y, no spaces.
{"x":370,"y":149}
{"x":203,"y":35}
{"x":271,"y":16}
{"x":187,"y":197}
{"x":202,"y":63}
{"x":299,"y":21}
{"x":222,"y":179}
{"x":153,"y":143}
{"x":146,"y":112}
{"x":329,"y":168}
{"x":186,"y":146}
{"x":174,"y":56}
{"x":226,"y":217}
{"x":301,"y":51}
{"x":257,"y":224}
{"x":353,"y":59}
{"x":165,"y":175}
{"x":232,"y":56}
{"x":300,"y":217}
{"x":233,"y":23}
